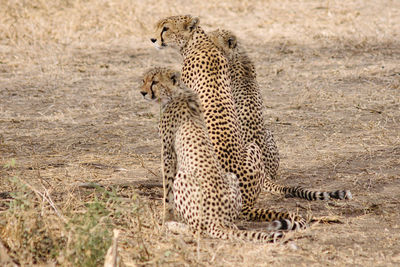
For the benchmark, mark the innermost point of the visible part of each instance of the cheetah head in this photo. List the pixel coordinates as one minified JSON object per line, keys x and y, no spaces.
{"x":160,"y":84}
{"x":225,"y":40}
{"x":174,"y":31}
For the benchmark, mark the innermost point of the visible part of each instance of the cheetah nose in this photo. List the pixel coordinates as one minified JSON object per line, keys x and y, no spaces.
{"x":153,"y":40}
{"x":144,"y":93}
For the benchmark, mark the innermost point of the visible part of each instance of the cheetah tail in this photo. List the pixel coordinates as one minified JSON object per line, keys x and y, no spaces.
{"x":303,"y":193}
{"x":245,"y":235}
{"x":280,"y":220}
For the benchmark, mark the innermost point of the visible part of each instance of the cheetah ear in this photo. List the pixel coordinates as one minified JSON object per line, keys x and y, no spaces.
{"x":175,"y":77}
{"x":192,"y":24}
{"x":232,"y":42}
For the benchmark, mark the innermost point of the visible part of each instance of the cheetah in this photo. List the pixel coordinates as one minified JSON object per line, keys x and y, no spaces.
{"x":206,"y":198}
{"x":249,"y":105}
{"x":247,"y":99}
{"x":205,"y":71}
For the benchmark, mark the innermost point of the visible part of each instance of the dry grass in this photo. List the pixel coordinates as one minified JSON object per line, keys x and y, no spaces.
{"x":70,"y":114}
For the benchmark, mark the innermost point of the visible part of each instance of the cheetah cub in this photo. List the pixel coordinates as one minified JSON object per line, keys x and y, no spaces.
{"x":249,"y":105}
{"x":206,"y":198}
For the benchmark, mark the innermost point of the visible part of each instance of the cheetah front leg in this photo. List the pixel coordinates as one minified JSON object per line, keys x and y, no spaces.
{"x":169,"y":171}
{"x":251,"y":184}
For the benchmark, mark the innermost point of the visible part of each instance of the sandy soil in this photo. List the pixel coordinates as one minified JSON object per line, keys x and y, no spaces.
{"x":71,"y":113}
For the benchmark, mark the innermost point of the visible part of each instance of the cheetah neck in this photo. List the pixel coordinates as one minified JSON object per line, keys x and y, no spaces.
{"x":243,"y":75}
{"x":186,"y":104}
{"x":199,"y":51}
{"x":197,"y":39}
{"x":174,"y":94}
{"x":245,"y":90}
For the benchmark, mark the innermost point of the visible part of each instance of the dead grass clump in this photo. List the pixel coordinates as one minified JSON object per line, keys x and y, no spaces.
{"x":33,"y":233}
{"x":29,"y":234}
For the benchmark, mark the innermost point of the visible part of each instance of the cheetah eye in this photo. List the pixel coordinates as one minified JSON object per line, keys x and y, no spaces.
{"x":153,"y":95}
{"x":164,"y":29}
{"x":173,"y":78}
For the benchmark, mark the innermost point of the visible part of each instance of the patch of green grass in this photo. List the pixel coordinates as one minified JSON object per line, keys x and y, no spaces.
{"x":35,"y":234}
{"x":91,"y":229}
{"x":10,"y":164}
{"x":92,"y":233}
{"x":26,"y":230}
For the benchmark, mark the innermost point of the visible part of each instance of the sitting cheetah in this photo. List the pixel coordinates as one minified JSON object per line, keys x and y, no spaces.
{"x":206,"y":198}
{"x":249,"y":105}
{"x":205,"y":71}
{"x":247,"y":98}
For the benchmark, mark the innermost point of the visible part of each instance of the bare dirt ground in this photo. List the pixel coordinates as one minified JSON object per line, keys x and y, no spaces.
{"x":70,"y":114}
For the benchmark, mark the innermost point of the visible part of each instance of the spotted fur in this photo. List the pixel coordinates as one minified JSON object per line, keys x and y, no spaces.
{"x":249,"y":105}
{"x":247,"y":99}
{"x":206,"y":198}
{"x":205,"y":70}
